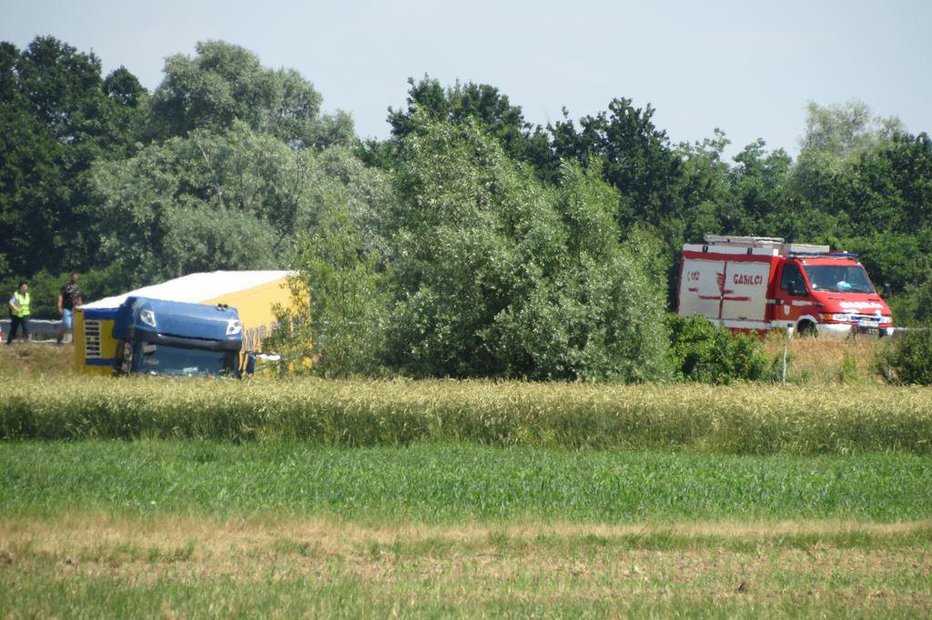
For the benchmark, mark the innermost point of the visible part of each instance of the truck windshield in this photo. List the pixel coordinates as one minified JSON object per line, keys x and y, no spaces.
{"x":839,"y":278}
{"x":166,"y":360}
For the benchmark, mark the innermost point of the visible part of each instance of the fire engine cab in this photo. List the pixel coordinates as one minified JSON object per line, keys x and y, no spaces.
{"x":763,"y":283}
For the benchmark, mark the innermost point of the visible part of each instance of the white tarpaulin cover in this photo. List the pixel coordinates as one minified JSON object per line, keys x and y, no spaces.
{"x":196,"y":287}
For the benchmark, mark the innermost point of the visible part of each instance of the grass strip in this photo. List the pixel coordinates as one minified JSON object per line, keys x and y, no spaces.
{"x":455,"y":483}
{"x":97,"y":566}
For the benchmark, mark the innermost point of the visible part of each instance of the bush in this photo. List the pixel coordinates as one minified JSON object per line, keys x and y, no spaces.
{"x":914,"y":306}
{"x":907,"y":359}
{"x":707,"y":353}
{"x":498,"y":275}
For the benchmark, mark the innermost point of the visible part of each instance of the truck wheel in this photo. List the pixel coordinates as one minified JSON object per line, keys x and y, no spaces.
{"x":127,"y":364}
{"x":807,"y":329}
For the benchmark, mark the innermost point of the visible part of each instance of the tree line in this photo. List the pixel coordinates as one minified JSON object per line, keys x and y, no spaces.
{"x":470,"y":242}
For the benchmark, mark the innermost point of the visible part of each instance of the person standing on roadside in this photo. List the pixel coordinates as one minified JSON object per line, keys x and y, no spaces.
{"x":19,"y":312}
{"x":68,"y":297}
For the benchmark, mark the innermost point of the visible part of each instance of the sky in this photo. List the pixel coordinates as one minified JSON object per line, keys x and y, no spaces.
{"x":746,"y":67}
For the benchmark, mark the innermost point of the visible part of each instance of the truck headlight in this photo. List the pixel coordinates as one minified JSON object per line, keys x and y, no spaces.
{"x":234,"y":327}
{"x":147,"y":317}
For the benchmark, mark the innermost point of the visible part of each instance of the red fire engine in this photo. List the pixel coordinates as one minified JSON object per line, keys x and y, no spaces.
{"x":763,"y":283}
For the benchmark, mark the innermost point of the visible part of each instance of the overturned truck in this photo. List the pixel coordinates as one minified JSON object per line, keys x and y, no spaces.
{"x":172,"y":338}
{"x":202,"y":323}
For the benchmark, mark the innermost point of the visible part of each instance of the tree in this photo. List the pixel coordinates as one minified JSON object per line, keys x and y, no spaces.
{"x":339,"y":306}
{"x":823,"y":179}
{"x":226,"y":83}
{"x":499,"y":275}
{"x":889,"y":203}
{"x":230,"y":200}
{"x":763,"y":202}
{"x":484,"y":105}
{"x":845,"y":130}
{"x":638,"y":159}
{"x":891,"y":186}
{"x":58,"y":119}
{"x":705,"y":190}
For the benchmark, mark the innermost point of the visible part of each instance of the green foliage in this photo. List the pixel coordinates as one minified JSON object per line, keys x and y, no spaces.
{"x":511,"y":250}
{"x":913,"y":308}
{"x":205,"y":202}
{"x":338,"y":306}
{"x":890,"y":188}
{"x":497,"y":275}
{"x":637,"y":158}
{"x":481,"y":104}
{"x":907,"y":360}
{"x":706,"y":188}
{"x":225,"y":84}
{"x":760,"y":188}
{"x":58,"y":117}
{"x":845,"y":130}
{"x":707,"y":353}
{"x":228,"y":200}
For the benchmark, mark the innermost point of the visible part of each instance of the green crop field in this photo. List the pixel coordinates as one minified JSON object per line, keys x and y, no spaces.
{"x":162,"y":498}
{"x":455,"y":483}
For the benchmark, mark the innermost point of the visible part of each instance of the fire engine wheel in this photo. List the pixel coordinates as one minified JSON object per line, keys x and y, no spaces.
{"x":807,"y":329}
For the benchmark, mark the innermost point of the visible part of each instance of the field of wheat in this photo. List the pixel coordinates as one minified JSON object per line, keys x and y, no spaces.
{"x":741,"y":419}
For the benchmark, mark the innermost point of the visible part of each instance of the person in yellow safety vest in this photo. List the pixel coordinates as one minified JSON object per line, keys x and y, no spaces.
{"x":19,"y":312}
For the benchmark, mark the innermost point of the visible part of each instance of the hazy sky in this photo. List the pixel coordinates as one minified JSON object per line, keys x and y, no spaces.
{"x":746,"y":67}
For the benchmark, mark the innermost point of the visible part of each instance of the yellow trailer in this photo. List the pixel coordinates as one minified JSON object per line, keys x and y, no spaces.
{"x":253,"y":293}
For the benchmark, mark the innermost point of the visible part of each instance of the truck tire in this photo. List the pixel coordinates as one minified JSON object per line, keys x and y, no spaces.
{"x":807,"y":329}
{"x":126,"y":357}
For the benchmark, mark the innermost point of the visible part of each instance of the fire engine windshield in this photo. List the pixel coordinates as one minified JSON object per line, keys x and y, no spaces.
{"x":839,"y":278}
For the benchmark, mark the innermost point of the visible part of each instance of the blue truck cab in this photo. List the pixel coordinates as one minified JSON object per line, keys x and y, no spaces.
{"x":159,"y":337}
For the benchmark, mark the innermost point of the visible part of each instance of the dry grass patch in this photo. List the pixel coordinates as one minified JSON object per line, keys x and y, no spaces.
{"x":835,"y":361}
{"x":530,"y":566}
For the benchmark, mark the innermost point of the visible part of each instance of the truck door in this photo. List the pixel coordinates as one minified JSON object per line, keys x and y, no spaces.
{"x":744,"y":293}
{"x":791,"y":297}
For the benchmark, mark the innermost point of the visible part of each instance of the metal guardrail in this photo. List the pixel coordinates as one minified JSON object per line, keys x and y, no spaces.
{"x":38,"y":328}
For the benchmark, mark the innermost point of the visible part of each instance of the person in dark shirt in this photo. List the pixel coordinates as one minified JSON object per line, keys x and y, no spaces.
{"x":68,"y":297}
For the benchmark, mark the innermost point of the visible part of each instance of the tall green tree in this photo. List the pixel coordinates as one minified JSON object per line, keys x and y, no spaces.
{"x":890,"y":212}
{"x":480,"y":103}
{"x":705,"y":189}
{"x":338,"y":309}
{"x":59,"y":117}
{"x":637,"y":159}
{"x":498,"y":274}
{"x":846,"y":129}
{"x":225,"y":83}
{"x":235,"y":199}
{"x":763,"y":199}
